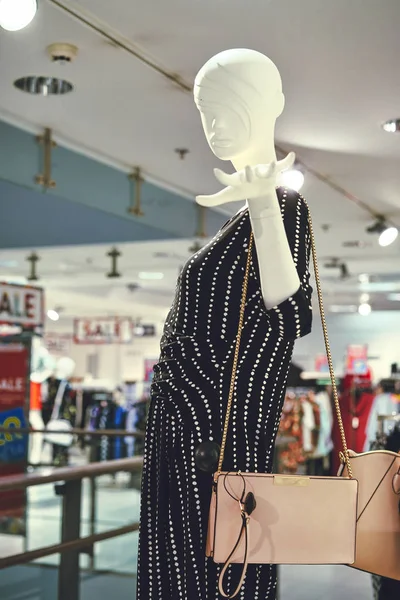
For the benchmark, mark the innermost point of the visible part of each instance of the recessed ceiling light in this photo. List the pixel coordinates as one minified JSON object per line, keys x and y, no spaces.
{"x":364,"y":298}
{"x":391,"y":126}
{"x":43,"y":86}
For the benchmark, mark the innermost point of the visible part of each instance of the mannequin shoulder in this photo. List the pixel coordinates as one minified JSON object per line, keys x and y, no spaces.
{"x":291,"y":201}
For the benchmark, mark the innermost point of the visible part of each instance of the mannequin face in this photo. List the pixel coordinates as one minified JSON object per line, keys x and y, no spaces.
{"x":239,"y":97}
{"x":225,"y":129}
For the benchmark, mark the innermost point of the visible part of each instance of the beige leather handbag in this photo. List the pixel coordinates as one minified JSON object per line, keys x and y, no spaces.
{"x":275,"y":519}
{"x":378,"y":512}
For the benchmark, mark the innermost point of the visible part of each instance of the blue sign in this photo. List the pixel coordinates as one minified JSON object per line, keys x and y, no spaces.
{"x":13,"y":445}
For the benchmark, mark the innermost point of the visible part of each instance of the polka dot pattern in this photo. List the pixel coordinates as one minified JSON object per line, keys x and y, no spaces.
{"x":188,"y":402}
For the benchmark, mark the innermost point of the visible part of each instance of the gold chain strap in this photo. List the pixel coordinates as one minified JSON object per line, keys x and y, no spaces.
{"x":327,"y":347}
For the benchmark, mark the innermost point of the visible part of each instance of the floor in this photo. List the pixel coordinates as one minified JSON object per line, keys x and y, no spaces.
{"x":119,"y":505}
{"x":297,"y":583}
{"x":324,"y":583}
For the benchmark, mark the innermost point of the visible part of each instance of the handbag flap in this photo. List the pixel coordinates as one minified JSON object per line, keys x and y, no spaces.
{"x":376,"y":472}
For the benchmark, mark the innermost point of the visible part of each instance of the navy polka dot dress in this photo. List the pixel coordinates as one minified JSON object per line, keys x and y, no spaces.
{"x":188,"y":402}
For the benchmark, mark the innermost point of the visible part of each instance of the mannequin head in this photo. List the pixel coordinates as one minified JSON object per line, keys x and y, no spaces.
{"x":65,"y":368}
{"x":239,"y":96}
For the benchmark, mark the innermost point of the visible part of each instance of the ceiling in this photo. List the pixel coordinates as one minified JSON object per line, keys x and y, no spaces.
{"x":339,"y":65}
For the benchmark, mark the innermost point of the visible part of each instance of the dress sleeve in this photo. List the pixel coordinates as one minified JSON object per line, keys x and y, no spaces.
{"x":293,"y":317}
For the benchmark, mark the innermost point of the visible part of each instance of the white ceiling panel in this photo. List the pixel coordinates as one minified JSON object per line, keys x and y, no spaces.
{"x":339,"y":64}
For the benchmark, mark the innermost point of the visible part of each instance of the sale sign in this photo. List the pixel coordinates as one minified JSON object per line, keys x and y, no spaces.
{"x":357,"y":359}
{"x":110,"y":330}
{"x":321,"y":363}
{"x":13,"y":445}
{"x":14,"y":398}
{"x":21,"y":305}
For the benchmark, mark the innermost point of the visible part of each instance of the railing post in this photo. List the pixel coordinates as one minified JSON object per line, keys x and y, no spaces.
{"x":93,"y":514}
{"x":68,"y":573}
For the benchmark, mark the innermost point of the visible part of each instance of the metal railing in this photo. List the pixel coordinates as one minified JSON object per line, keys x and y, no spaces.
{"x":68,"y":482}
{"x":74,"y":431}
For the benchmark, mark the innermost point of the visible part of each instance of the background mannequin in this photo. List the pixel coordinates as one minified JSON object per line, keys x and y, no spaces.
{"x":239,"y":96}
{"x":63,"y":413}
{"x":42,"y":367}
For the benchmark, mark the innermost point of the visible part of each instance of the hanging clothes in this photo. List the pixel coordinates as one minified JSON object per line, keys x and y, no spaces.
{"x":319,"y":462}
{"x":102,"y":416}
{"x":384,"y":404}
{"x":308,"y":425}
{"x":289,"y":443}
{"x":48,"y":393}
{"x":352,"y":387}
{"x":363,"y":406}
{"x":120,"y":423}
{"x":325,"y":445}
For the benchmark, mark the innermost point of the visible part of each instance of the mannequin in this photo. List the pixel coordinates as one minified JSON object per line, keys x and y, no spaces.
{"x":62,"y":416}
{"x":239,"y":96}
{"x":42,"y":367}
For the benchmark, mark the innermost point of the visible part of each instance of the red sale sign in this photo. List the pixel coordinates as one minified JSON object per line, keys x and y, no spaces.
{"x":14,"y":377}
{"x":321,"y":363}
{"x":357,"y":359}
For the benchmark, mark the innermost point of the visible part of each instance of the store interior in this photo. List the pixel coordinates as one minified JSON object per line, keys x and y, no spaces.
{"x":101,"y":157}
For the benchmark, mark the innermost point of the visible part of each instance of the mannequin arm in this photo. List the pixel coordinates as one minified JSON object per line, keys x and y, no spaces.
{"x":279,"y":277}
{"x":282,"y":241}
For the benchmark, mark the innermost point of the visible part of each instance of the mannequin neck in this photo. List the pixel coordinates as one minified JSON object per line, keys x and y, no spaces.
{"x":259,"y":154}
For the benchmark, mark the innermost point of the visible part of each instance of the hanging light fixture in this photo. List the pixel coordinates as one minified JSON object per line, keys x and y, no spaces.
{"x":53,"y":315}
{"x":17,"y":14}
{"x":387,"y":233}
{"x":364,"y":309}
{"x":293,"y":179}
{"x":388,"y":236}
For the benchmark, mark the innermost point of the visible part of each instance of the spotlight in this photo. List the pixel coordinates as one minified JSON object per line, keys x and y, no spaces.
{"x":391,"y":126}
{"x":293,"y":179}
{"x":365,"y":309}
{"x":17,"y":14}
{"x":388,"y":236}
{"x":53,"y":315}
{"x":387,"y":233}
